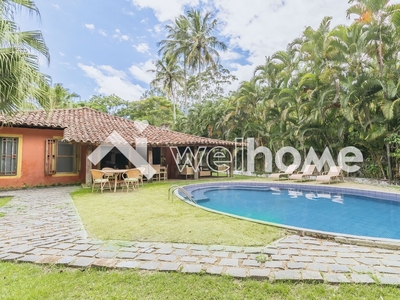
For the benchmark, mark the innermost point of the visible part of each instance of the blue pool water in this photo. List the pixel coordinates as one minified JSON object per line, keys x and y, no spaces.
{"x":326,"y":211}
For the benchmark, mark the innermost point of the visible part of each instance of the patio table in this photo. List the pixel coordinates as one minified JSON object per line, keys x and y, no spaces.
{"x":118,"y":174}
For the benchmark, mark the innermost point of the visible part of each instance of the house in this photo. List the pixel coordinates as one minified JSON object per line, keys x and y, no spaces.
{"x":48,"y":148}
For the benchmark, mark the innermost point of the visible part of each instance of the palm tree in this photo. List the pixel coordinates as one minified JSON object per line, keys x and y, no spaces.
{"x":20,"y":78}
{"x":60,"y":97}
{"x":168,"y":77}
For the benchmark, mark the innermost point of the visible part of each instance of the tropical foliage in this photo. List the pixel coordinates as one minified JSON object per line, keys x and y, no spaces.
{"x":21,"y":82}
{"x":331,"y":87}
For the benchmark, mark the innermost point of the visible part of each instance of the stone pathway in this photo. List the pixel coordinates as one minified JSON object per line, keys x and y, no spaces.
{"x":42,"y":226}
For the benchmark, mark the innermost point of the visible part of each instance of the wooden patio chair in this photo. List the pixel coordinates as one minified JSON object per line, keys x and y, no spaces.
{"x":98,"y":178}
{"x":335,"y":172}
{"x":308,"y":171}
{"x":132,"y":178}
{"x":289,"y":171}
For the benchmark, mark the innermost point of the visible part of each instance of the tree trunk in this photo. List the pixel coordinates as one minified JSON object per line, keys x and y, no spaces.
{"x":199,"y":75}
{"x":389,"y":162}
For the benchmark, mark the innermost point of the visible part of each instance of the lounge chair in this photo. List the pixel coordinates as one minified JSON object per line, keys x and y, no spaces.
{"x":306,"y":174}
{"x":334,"y":173}
{"x":289,"y":171}
{"x":99,"y":179}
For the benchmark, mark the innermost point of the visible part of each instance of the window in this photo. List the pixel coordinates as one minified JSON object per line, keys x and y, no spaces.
{"x":61,"y":157}
{"x":9,"y":156}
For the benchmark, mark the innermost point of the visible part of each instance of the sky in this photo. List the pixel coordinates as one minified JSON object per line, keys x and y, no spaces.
{"x":107,"y":47}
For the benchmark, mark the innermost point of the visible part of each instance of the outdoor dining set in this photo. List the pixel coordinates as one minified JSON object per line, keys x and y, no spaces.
{"x":129,"y":179}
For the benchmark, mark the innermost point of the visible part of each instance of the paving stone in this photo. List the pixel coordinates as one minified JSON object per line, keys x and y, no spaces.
{"x":368,"y":261}
{"x":164,"y":251}
{"x":126,"y":255}
{"x":251,"y":263}
{"x":29,"y":258}
{"x":208,"y":260}
{"x":361,"y":278}
{"x":318,"y":267}
{"x":81,"y":247}
{"x":198,"y":248}
{"x":311,"y":275}
{"x":270,"y":251}
{"x":324,"y":260}
{"x":387,"y":270}
{"x":390,"y":263}
{"x":68,"y":253}
{"x":180,"y":252}
{"x":379,"y":250}
{"x":298,"y":246}
{"x":215,"y":248}
{"x":302,"y":258}
{"x":296,"y":265}
{"x":128,"y":264}
{"x":169,"y":267}
{"x":339,"y":268}
{"x":236,"y":272}
{"x":104,"y":263}
{"x":147,"y":250}
{"x":362,"y":269}
{"x":390,"y":280}
{"x":346,"y":261}
{"x":280,"y":257}
{"x":392,"y":257}
{"x":250,"y":250}
{"x":81,"y":262}
{"x":64,"y":246}
{"x":65,"y":260}
{"x":239,"y":255}
{"x":259,"y":273}
{"x":22,"y":249}
{"x":149,"y":265}
{"x":289,"y":252}
{"x":349,"y":255}
{"x":13,"y":256}
{"x":229,"y":262}
{"x":190,"y":268}
{"x":233,"y":249}
{"x":336,"y":278}
{"x":107,"y":254}
{"x":129,"y":249}
{"x":215,"y":270}
{"x":48,"y":259}
{"x":88,"y":253}
{"x":200,"y":253}
{"x":189,"y":259}
{"x":146,"y":256}
{"x":221,"y":254}
{"x":361,"y":249}
{"x":274,"y":264}
{"x":180,"y":246}
{"x":168,"y":257}
{"x":287,"y":275}
{"x":143,"y":245}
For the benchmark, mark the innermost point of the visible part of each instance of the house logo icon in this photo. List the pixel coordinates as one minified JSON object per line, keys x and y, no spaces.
{"x":117,"y":141}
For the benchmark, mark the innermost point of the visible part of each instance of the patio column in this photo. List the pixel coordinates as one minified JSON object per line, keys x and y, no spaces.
{"x":88,"y":177}
{"x":231,"y":162}
{"x":195,"y":163}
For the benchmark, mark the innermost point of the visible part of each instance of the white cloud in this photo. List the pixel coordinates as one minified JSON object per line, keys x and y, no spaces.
{"x":78,"y":57}
{"x":140,"y":71}
{"x":121,"y":37}
{"x":56,"y":6}
{"x":229,"y":55}
{"x":102,"y":32}
{"x":142,"y":48}
{"x":62,"y":54}
{"x":112,"y":81}
{"x":89,"y":26}
{"x":166,"y":10}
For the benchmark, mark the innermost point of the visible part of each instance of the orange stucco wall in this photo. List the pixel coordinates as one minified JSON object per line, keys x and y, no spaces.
{"x":33,"y":159}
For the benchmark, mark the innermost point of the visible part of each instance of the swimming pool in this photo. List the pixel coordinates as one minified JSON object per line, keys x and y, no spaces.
{"x":322,"y":209}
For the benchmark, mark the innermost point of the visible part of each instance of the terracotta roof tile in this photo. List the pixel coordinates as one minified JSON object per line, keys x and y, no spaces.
{"x":87,"y":125}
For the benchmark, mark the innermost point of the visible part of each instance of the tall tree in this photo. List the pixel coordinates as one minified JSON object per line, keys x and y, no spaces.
{"x":168,"y":77}
{"x":20,"y":78}
{"x":61,"y":97}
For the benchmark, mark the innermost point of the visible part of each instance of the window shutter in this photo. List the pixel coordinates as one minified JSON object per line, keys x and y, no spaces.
{"x":50,"y":159}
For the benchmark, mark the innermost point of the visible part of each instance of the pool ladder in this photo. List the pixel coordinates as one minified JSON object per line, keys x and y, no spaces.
{"x":173,"y":188}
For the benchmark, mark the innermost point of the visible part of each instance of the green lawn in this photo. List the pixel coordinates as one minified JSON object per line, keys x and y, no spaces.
{"x":4,"y":201}
{"x":29,"y":281}
{"x":147,"y":215}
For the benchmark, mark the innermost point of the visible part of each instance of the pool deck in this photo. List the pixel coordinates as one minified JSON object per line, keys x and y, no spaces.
{"x":42,"y":226}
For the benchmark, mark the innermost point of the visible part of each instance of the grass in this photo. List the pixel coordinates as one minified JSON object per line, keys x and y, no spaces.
{"x":4,"y":201}
{"x":29,"y":281}
{"x":147,"y":215}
